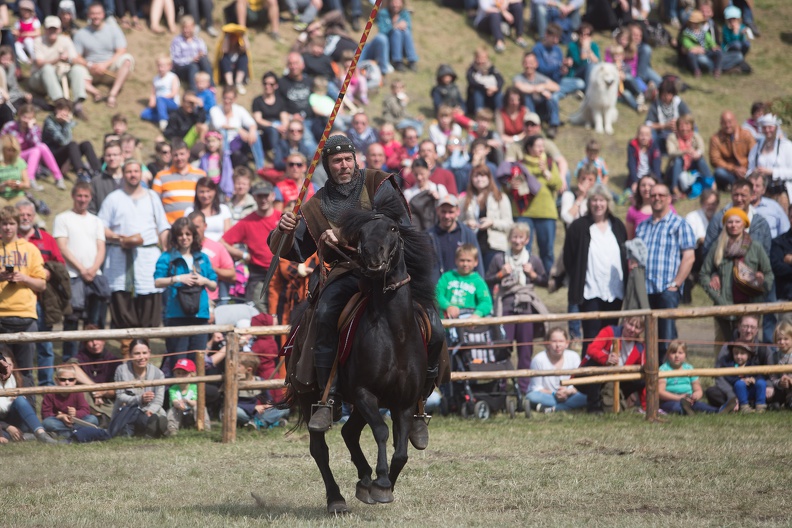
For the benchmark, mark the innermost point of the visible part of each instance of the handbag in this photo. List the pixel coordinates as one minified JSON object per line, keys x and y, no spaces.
{"x":745,"y":279}
{"x":189,"y":297}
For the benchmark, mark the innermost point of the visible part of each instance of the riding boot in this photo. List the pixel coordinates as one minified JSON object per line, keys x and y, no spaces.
{"x":324,"y":414}
{"x":419,"y":432}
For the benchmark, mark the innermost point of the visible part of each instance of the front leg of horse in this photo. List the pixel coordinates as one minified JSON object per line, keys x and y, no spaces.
{"x":351,"y":434}
{"x":321,"y":454}
{"x":402,"y":423}
{"x":367,"y":404}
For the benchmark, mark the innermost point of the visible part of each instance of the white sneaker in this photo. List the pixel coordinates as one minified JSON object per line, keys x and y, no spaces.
{"x":241,"y":89}
{"x":163,"y":124}
{"x":60,"y":184}
{"x":36,"y":186}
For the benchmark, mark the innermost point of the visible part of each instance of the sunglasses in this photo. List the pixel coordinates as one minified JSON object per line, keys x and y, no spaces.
{"x":67,"y":379}
{"x":296,"y":164}
{"x":295,"y":130}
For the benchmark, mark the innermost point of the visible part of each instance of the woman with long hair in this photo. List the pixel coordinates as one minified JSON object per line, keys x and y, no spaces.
{"x":13,"y":172}
{"x":207,"y":200}
{"x":510,"y":119}
{"x":153,"y":421}
{"x":487,"y":211}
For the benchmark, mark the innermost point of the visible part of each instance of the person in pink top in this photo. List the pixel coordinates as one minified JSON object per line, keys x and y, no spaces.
{"x":28,"y":133}
{"x":641,"y":209}
{"x":219,"y":257}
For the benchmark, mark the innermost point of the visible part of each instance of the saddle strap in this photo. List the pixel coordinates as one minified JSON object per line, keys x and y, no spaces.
{"x":333,"y":372}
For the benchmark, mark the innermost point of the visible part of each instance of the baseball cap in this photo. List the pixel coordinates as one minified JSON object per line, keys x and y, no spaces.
{"x":448,"y":199}
{"x":185,"y":364}
{"x":52,"y":22}
{"x":261,"y":187}
{"x":532,"y":117}
{"x":27,"y":4}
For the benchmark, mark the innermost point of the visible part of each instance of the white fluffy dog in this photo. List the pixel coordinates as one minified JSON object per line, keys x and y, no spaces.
{"x":599,"y":106}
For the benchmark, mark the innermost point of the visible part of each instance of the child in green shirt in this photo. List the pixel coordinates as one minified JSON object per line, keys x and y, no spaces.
{"x":463,"y":288}
{"x":183,"y":398}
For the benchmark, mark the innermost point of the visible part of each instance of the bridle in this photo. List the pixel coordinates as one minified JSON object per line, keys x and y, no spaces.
{"x":398,"y":246}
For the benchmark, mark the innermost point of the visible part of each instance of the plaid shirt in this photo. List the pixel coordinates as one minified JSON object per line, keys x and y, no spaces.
{"x":665,"y":239}
{"x":183,"y":52}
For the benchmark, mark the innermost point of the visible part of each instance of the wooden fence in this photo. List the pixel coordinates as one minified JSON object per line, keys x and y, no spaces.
{"x":649,"y":372}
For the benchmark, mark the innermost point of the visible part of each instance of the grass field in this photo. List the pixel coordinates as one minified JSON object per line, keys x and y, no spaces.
{"x":548,"y":471}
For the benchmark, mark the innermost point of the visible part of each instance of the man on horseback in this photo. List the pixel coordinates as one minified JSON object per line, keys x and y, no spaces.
{"x":348,"y":188}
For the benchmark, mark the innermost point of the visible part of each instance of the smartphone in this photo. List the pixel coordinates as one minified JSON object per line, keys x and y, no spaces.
{"x":9,"y":269}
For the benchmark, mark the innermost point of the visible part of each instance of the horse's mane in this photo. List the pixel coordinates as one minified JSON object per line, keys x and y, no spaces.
{"x":419,"y":254}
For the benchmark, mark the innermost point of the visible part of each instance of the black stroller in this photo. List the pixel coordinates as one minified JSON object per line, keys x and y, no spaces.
{"x":481,"y":349}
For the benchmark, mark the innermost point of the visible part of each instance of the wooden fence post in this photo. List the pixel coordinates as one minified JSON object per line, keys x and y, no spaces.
{"x":200,"y":367}
{"x":231,"y":388}
{"x":651,"y":369}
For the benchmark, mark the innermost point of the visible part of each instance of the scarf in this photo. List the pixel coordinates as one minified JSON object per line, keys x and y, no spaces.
{"x":737,"y":249}
{"x":684,"y":145}
{"x":700,"y":36}
{"x":340,"y":198}
{"x":516,"y":262}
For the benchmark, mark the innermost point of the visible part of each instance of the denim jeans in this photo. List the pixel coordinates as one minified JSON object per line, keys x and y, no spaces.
{"x":574,"y":325}
{"x":23,"y":415}
{"x":187,"y":72}
{"x":546,"y":108}
{"x":479,"y":99}
{"x":645,"y":71}
{"x":53,"y":425}
{"x":161,"y":111}
{"x":268,"y":418}
{"x":666,"y":328}
{"x":491,"y":23}
{"x":675,"y":407}
{"x":45,"y":355}
{"x":756,"y":392}
{"x":568,"y":85}
{"x":539,"y":18}
{"x":182,"y":344}
{"x":576,"y":401}
{"x":238,"y":145}
{"x":724,"y":177}
{"x":402,"y":46}
{"x":229,"y":66}
{"x":378,"y":49}
{"x":543,"y":229}
{"x":677,"y":165}
{"x":708,"y":61}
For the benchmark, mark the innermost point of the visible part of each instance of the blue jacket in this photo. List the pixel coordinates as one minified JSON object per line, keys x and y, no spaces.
{"x":170,"y":264}
{"x":550,"y":61}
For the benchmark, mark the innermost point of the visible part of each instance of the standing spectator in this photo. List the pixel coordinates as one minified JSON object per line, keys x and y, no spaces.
{"x":538,"y":90}
{"x":741,"y":196}
{"x":252,"y":231}
{"x":643,"y":159}
{"x":135,"y":223}
{"x":735,"y":247}
{"x":184,"y":266}
{"x":449,"y":234}
{"x":48,"y":307}
{"x":698,"y":221}
{"x":269,"y":111}
{"x":102,"y":48}
{"x":595,"y":258}
{"x":553,"y":64}
{"x":241,"y":203}
{"x":493,"y":15}
{"x":222,"y":263}
{"x":109,"y":179}
{"x":239,"y":130}
{"x":485,"y":83}
{"x":176,"y":185}
{"x":729,"y":149}
{"x":671,"y":253}
{"x":80,"y":237}
{"x":53,"y":66}
{"x":28,"y":133}
{"x":487,"y":211}
{"x":769,"y":209}
{"x":781,"y":261}
{"x":685,"y":149}
{"x":207,"y":200}
{"x":22,"y":278}
{"x":395,"y":23}
{"x":189,"y":53}
{"x":772,"y":157}
{"x":291,"y":185}
{"x":58,"y":136}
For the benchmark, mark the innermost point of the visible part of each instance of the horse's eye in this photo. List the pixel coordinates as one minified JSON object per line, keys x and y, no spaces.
{"x":393,"y":228}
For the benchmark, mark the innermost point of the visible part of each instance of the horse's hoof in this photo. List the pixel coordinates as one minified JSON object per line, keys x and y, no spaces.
{"x":337,"y":507}
{"x":381,"y":495}
{"x":362,"y":494}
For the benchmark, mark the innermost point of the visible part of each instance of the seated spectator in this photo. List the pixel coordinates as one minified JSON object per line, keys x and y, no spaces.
{"x":772,"y":158}
{"x":296,"y":140}
{"x":643,"y":160}
{"x":254,"y":409}
{"x":292,"y":183}
{"x":26,"y":29}
{"x":102,"y":48}
{"x":164,"y":97}
{"x":183,"y":398}
{"x":67,"y":13}
{"x":59,"y":410}
{"x":9,"y":86}
{"x":390,"y":146}
{"x":484,"y":128}
{"x":446,"y":92}
{"x":149,"y":399}
{"x":317,"y":63}
{"x":594,"y":159}
{"x":27,"y":132}
{"x":395,"y":23}
{"x":731,"y":61}
{"x":189,"y":53}
{"x":641,"y":54}
{"x":394,"y":109}
{"x":552,"y":63}
{"x":16,"y":413}
{"x":127,"y":15}
{"x":751,"y":391}
{"x":52,"y":67}
{"x":448,"y":234}
{"x":718,"y":279}
{"x":241,"y":203}
{"x":485,"y":83}
{"x":443,"y":129}
{"x":584,"y":52}
{"x":216,"y":163}
{"x":682,"y":395}
{"x":407,"y":153}
{"x":303,"y":12}
{"x":257,"y":11}
{"x":685,"y":149}
{"x":188,"y":122}
{"x":322,"y":105}
{"x":736,"y":37}
{"x":155,"y":16}
{"x":231,"y":58}
{"x":492,"y":16}
{"x":13,"y":172}
{"x":295,"y":88}
{"x":631,"y":90}
{"x":510,"y":119}
{"x":545,"y":393}
{"x":463,"y":288}
{"x":752,"y":123}
{"x":729,"y":150}
{"x":93,"y":363}
{"x":120,"y":126}
{"x":488,"y":213}
{"x":782,"y":383}
{"x":184,"y":266}
{"x":361,"y":134}
{"x":428,"y":151}
{"x":776,"y":217}
{"x":239,"y":130}
{"x":205,"y":90}
{"x":664,"y":112}
{"x":699,"y":48}
{"x":207,"y":200}
{"x":375,"y":157}
{"x":58,"y":136}
{"x":565,"y":13}
{"x":269,"y":111}
{"x":515,"y":273}
{"x":614,"y":346}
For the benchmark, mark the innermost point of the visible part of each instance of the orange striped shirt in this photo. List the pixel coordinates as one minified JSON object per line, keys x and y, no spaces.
{"x":176,"y":190}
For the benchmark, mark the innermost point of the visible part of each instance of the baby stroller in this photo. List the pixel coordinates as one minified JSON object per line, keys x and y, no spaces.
{"x":481,"y":349}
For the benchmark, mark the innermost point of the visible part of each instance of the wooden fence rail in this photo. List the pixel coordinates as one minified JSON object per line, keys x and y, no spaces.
{"x":232,"y":384}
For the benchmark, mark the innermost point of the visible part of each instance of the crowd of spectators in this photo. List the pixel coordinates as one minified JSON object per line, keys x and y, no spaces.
{"x":173,"y":241}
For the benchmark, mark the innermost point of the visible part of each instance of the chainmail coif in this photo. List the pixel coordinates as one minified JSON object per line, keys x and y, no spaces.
{"x":340,"y":198}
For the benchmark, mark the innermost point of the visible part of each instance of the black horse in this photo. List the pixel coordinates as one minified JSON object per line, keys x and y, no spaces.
{"x":387,"y":363}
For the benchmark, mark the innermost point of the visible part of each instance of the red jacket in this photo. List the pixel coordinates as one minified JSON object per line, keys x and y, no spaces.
{"x":599,"y":349}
